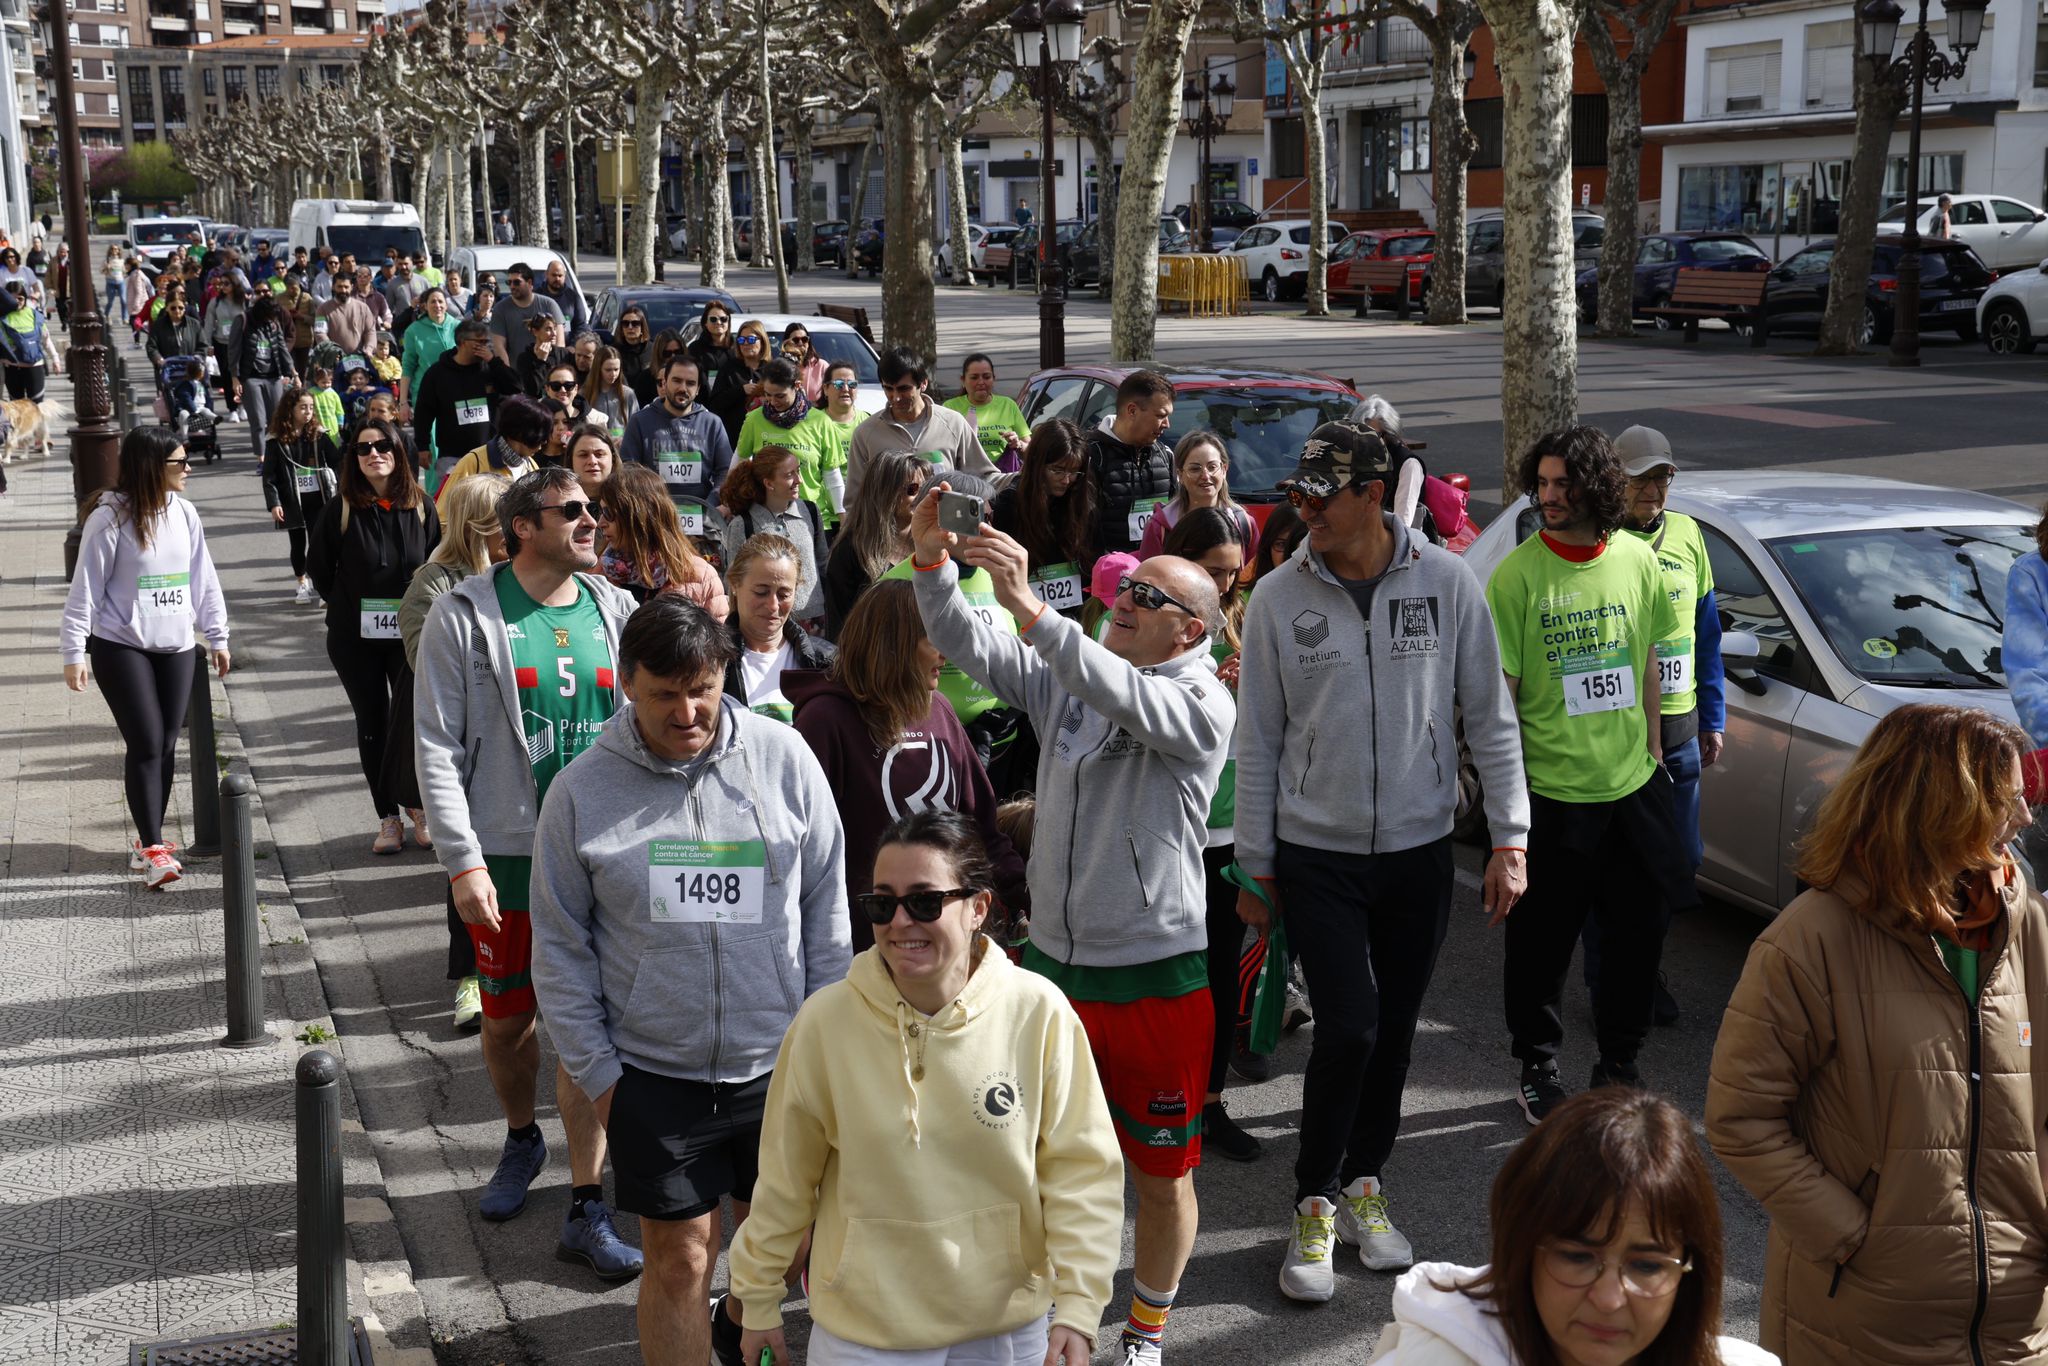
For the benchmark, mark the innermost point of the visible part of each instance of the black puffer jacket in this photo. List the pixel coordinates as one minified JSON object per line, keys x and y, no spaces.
{"x":1123,"y":475}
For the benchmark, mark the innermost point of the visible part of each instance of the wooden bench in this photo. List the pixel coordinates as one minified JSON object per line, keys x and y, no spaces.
{"x":1736,"y":296}
{"x":1377,"y":277}
{"x":995,"y":263}
{"x":855,"y":318}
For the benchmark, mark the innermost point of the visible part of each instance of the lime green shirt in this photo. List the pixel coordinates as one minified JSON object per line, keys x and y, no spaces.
{"x":991,"y":420}
{"x":969,"y":698}
{"x":1688,"y":576}
{"x":327,"y":404}
{"x":820,"y":448}
{"x":1577,"y":636}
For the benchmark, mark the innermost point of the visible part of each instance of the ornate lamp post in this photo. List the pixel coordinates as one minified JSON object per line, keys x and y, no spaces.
{"x":1923,"y":63}
{"x":95,"y":440}
{"x":1048,"y":40}
{"x":1205,"y":106}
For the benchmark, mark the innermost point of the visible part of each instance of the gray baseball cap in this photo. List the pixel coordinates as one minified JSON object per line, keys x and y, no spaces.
{"x":1643,"y":449}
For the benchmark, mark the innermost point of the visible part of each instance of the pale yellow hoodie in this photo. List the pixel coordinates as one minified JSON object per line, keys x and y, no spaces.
{"x":961,"y":1170}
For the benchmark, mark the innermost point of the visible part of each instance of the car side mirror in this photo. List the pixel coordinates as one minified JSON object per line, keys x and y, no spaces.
{"x":2041,"y":215}
{"x":1782,"y":273}
{"x":1740,"y":651}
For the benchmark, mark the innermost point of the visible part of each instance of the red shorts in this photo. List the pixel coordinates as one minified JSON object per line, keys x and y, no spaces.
{"x":1153,"y":1055}
{"x":504,"y":964}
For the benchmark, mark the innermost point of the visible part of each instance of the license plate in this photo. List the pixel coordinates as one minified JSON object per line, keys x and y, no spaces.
{"x":1956,"y":305}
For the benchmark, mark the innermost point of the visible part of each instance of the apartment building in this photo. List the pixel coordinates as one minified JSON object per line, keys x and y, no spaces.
{"x":166,"y":90}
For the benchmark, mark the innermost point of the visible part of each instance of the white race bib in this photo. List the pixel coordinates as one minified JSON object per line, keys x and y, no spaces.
{"x":379,"y":619}
{"x":692,"y":517}
{"x":1141,"y":513}
{"x":1058,"y":586}
{"x":305,"y":479}
{"x":692,"y":882}
{"x":687,"y":468}
{"x":1597,"y":683}
{"x":164,"y":595}
{"x":471,"y":411}
{"x":1674,"y":670}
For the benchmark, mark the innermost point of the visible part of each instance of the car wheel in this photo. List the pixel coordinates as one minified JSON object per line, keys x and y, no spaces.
{"x":2005,"y":330}
{"x":1866,"y":329}
{"x":1269,"y":286}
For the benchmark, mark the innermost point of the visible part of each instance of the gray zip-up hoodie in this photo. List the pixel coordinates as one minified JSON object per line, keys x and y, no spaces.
{"x":691,"y":999}
{"x":1128,"y":764}
{"x":469,"y":747}
{"x":1347,"y":743}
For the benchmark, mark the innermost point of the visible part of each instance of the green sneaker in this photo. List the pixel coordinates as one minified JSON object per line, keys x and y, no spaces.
{"x":469,"y":1003}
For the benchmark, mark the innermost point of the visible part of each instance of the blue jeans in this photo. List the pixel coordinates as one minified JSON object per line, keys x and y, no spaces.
{"x":1683,"y":764}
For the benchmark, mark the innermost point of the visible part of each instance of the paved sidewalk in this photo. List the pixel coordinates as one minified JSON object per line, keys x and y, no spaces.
{"x":146,"y":1174}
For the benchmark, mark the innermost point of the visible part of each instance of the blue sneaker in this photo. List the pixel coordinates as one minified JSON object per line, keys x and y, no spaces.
{"x":593,"y":1241}
{"x":518,"y":1165}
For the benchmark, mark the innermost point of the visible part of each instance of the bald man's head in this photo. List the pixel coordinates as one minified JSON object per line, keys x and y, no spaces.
{"x":1145,"y":630}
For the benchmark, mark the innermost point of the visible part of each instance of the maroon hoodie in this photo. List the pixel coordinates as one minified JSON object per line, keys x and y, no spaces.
{"x":932,"y":766}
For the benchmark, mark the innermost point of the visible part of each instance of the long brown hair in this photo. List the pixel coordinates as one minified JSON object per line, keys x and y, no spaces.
{"x":877,"y":660}
{"x":1055,"y":530}
{"x":747,"y":483}
{"x":143,"y":478}
{"x":870,"y":529}
{"x":1929,"y":792}
{"x":643,"y":527}
{"x":403,"y":491}
{"x":1577,"y":1175}
{"x":284,"y":419}
{"x":593,"y":383}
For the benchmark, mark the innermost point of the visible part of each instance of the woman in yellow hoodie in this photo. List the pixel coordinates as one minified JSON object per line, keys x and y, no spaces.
{"x":937,"y":1117}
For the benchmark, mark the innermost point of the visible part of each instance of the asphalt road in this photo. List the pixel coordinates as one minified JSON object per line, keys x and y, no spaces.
{"x":495,"y":1293}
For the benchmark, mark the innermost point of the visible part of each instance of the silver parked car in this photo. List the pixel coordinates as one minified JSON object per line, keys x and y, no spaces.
{"x":1841,"y":598}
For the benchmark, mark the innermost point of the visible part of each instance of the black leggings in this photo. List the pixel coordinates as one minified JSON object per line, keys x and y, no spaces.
{"x":1233,"y":968}
{"x":26,"y":381}
{"x":147,"y":690}
{"x":369,"y":670}
{"x":297,"y":536}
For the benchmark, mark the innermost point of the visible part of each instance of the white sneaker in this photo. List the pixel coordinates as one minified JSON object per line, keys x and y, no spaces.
{"x":1306,"y":1274}
{"x":1140,"y":1354}
{"x":421,"y":836}
{"x":304,"y":597}
{"x":138,"y":858}
{"x":162,"y":868}
{"x":1362,"y":1223}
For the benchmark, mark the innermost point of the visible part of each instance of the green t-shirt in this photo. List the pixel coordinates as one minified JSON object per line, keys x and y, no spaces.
{"x":563,"y":668}
{"x":968,"y":697}
{"x":1688,"y":576}
{"x":993,"y":418}
{"x":1965,"y":965}
{"x":820,"y":445}
{"x":1578,"y":635}
{"x":1163,"y":980}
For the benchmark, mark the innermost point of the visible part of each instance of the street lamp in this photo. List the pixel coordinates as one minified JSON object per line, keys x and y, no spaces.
{"x":1205,"y":106}
{"x":1047,"y":40}
{"x":1923,"y":63}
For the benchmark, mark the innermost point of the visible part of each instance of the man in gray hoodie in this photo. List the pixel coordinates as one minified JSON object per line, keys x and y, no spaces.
{"x":1134,"y":738}
{"x":688,"y":896}
{"x":517,"y":675}
{"x":1357,"y":655}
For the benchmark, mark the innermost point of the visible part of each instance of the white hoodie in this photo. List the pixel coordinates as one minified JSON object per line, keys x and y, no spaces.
{"x":1436,"y":1327}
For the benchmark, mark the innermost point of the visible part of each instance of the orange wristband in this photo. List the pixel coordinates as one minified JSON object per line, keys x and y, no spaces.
{"x":1509,"y":849}
{"x":465,"y":873}
{"x":1025,"y":629}
{"x":927,"y":568}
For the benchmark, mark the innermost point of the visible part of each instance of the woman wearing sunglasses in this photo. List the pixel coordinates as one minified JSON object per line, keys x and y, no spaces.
{"x":738,"y":390}
{"x":937,"y":1099}
{"x":1606,"y":1251}
{"x":646,"y":551}
{"x":799,"y":351}
{"x":889,"y":741}
{"x":634,"y":342}
{"x":368,"y":542}
{"x":713,"y":349}
{"x":144,"y":577}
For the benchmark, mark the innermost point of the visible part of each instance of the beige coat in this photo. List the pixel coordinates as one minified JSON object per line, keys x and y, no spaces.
{"x":1908,"y":1223}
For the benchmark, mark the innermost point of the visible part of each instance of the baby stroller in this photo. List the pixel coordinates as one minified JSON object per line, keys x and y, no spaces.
{"x":194,"y":419}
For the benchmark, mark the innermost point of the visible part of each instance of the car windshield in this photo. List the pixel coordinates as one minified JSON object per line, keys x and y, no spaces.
{"x":1910,"y":607}
{"x":1262,"y":428}
{"x":366,"y":242}
{"x":1725,"y":249}
{"x":1588,"y":236}
{"x":160,"y":234}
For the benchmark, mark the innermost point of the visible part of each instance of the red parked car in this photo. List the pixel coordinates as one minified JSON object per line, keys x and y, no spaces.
{"x":1381,"y":244}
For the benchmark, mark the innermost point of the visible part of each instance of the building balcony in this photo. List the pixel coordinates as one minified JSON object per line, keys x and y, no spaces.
{"x":239,"y":28}
{"x":1390,"y":43}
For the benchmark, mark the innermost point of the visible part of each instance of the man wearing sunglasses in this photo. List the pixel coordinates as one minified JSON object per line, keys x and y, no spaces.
{"x":456,"y":409}
{"x":517,"y":676}
{"x":1357,"y":655}
{"x":1134,"y":736}
{"x":684,"y":442}
{"x":912,"y":422}
{"x":688,"y":896}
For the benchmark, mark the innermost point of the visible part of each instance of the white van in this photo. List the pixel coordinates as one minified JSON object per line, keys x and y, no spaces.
{"x":157,"y":239}
{"x":358,"y":227}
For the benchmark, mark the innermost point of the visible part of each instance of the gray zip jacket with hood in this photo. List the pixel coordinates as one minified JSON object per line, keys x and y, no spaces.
{"x":1345,"y":736}
{"x":1128,"y":764}
{"x":469,"y":746}
{"x":700,"y":1001}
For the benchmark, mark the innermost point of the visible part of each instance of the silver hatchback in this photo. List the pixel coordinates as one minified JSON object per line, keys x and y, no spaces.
{"x":1841,"y":598}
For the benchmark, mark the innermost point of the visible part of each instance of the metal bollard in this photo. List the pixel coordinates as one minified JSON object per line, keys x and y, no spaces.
{"x":323,"y":1239}
{"x":205,"y":763}
{"x":238,"y":905}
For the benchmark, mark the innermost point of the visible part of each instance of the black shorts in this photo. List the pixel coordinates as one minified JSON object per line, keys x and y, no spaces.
{"x":679,"y":1146}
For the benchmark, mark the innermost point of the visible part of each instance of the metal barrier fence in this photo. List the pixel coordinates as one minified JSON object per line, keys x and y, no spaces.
{"x":1204,"y":285}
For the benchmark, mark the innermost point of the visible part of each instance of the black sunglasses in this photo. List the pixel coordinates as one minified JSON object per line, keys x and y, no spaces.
{"x":377,"y":447}
{"x":625,"y":323}
{"x":178,"y":462}
{"x":562,"y":386}
{"x":924,"y":907}
{"x":1148,"y":596}
{"x":572,"y":509}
